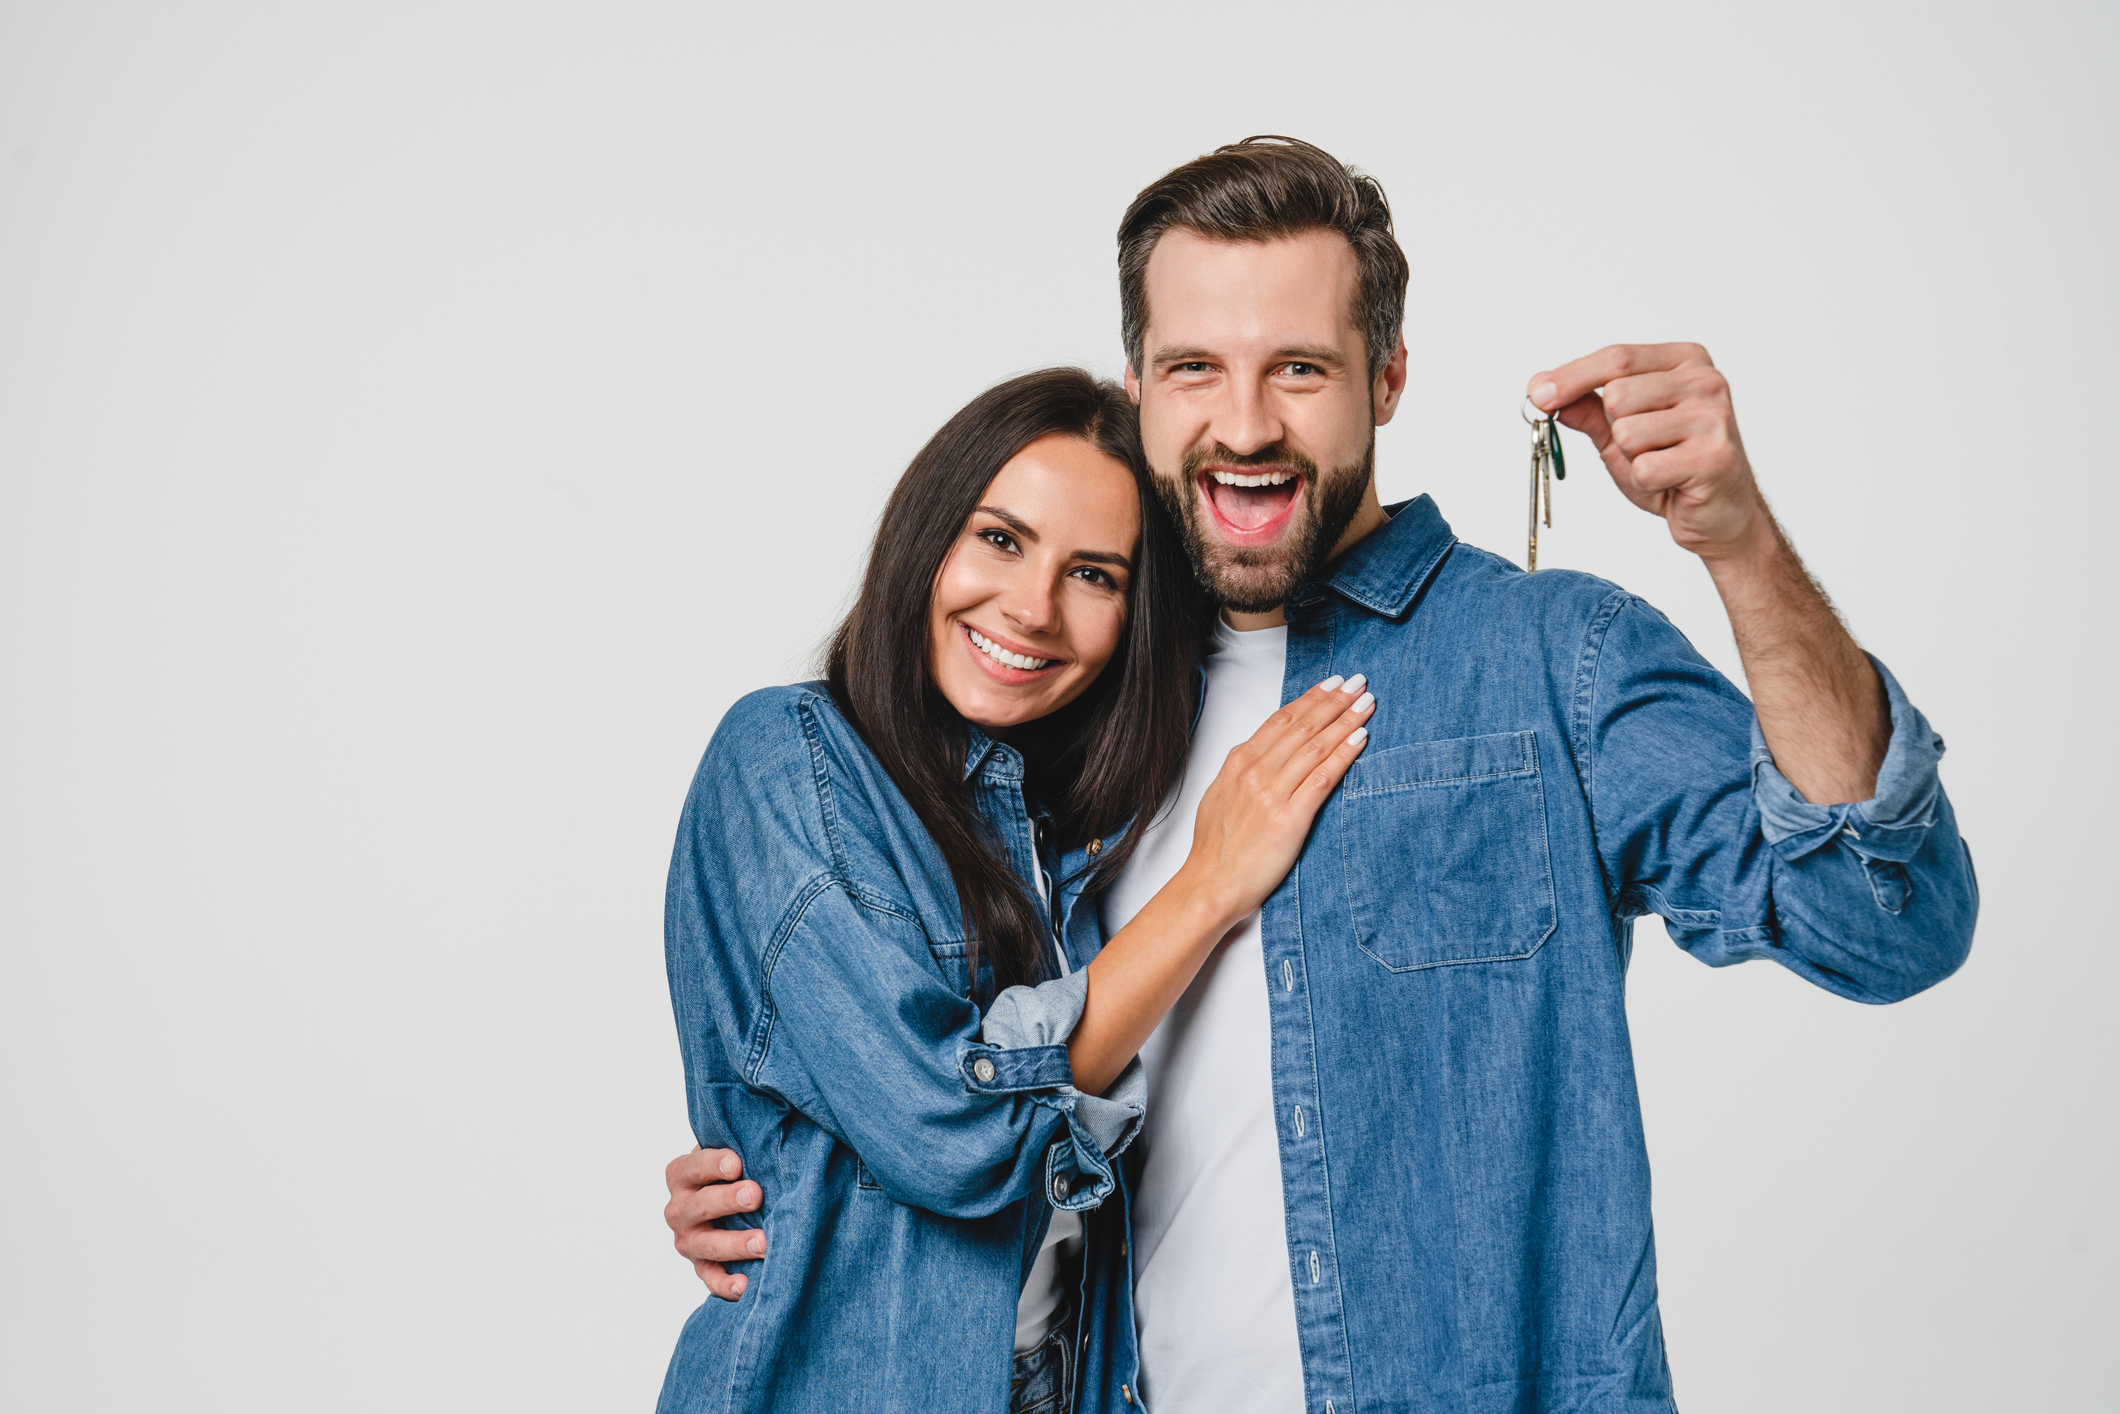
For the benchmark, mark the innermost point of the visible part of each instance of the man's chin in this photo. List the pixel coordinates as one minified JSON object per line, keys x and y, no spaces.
{"x":1247,"y":582}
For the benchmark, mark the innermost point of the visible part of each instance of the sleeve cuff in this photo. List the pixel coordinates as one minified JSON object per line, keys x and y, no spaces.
{"x":1890,"y":825}
{"x":1044,"y":1015}
{"x":1079,"y":1166}
{"x":1027,"y":1022}
{"x":1113,"y":1118}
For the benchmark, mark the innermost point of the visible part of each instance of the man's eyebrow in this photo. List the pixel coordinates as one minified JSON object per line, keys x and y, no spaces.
{"x":1164,"y":358}
{"x":1321,"y":354}
{"x":1311,"y":353}
{"x":1024,"y":532}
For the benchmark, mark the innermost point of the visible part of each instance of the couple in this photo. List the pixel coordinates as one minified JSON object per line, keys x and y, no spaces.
{"x":1095,"y":1000}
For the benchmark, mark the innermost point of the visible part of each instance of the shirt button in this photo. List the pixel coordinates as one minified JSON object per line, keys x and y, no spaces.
{"x":1059,"y":1189}
{"x":984,"y":1069}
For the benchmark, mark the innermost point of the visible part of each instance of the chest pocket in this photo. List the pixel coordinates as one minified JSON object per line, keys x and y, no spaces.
{"x":1444,"y":844}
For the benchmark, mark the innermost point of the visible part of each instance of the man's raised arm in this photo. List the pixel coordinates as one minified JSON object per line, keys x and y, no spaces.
{"x":1667,"y":432}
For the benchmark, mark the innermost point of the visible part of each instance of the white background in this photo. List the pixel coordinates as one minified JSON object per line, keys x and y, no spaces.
{"x":419,"y":422}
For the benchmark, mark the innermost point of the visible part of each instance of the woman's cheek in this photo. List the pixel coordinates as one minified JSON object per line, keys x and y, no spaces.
{"x":1109,"y":631}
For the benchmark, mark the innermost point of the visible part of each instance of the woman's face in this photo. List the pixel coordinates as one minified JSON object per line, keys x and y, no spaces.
{"x":1031,"y":601}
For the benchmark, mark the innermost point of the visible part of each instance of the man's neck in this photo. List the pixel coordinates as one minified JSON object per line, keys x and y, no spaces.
{"x":1369,"y":517}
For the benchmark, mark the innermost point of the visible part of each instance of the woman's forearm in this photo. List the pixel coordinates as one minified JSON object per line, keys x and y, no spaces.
{"x":1139,"y":976}
{"x":1249,"y":827}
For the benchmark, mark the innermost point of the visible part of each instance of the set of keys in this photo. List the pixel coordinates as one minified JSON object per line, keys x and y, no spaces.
{"x":1546,"y":465}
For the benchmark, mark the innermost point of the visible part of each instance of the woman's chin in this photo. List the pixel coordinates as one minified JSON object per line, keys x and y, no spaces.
{"x":995,"y":718}
{"x":995,"y":709}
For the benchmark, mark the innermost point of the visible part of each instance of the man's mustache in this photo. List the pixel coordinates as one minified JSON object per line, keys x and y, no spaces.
{"x":1278,"y":455}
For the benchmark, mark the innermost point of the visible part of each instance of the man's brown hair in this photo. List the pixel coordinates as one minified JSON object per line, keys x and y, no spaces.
{"x":1261,"y":189}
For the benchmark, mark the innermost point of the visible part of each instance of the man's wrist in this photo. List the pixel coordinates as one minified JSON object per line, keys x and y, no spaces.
{"x":1757,"y":544}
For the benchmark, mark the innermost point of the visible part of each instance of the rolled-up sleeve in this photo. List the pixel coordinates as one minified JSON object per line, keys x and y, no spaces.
{"x":869,"y":1040}
{"x":1873,"y":900}
{"x":1024,"y":1018}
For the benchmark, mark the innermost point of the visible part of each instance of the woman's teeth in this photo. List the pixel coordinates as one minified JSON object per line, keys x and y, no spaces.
{"x":1264,"y":478}
{"x":1002,"y":655}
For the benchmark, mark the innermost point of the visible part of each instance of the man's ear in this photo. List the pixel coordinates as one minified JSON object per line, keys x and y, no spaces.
{"x":1384,"y":395}
{"x":1133,"y":383}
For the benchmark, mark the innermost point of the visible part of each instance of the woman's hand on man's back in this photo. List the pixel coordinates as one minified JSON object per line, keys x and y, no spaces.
{"x":706,"y":1186}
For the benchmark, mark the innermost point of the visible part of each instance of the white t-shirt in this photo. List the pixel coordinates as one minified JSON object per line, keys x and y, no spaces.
{"x":1214,"y":1309}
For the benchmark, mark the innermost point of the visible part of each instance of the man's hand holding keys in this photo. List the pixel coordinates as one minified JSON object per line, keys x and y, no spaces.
{"x":1667,"y":432}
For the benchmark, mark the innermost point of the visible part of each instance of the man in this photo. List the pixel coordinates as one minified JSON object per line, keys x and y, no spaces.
{"x":1418,"y":1047}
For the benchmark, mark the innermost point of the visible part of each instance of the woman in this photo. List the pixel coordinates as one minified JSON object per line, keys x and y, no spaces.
{"x":891,"y":990}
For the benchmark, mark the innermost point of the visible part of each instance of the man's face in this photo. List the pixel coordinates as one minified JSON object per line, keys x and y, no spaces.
{"x":1257,"y":408}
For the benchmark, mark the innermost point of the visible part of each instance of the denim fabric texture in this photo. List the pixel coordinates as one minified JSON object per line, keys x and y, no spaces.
{"x":909,"y":1158}
{"x":1042,"y":1381}
{"x":1462,"y":1161}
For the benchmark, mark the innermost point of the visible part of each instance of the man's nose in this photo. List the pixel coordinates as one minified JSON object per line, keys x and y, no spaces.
{"x":1246,"y":422}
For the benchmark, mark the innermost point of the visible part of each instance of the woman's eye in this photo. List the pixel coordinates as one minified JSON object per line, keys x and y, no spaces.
{"x":1097,"y":576}
{"x":999,"y":539}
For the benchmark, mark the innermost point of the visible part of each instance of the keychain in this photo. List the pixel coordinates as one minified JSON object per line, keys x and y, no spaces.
{"x":1546,"y":464}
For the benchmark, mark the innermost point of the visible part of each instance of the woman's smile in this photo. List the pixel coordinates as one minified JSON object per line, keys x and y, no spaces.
{"x":1006,"y":660}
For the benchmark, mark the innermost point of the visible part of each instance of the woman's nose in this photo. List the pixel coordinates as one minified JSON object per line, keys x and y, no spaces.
{"x":1031,"y":606}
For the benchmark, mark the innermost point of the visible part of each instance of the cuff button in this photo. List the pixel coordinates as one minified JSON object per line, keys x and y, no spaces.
{"x":984,"y":1069}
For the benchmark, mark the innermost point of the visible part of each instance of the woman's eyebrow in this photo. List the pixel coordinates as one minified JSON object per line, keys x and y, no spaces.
{"x":1023,"y":531}
{"x":1013,"y":521}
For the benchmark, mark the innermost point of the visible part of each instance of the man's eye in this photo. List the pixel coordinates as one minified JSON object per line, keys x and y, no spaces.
{"x":1300,"y":370}
{"x":1192,"y":368}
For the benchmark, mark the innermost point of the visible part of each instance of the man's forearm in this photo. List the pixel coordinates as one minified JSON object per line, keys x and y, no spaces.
{"x":1821,"y":704}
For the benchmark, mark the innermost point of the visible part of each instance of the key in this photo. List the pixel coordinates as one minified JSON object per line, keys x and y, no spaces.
{"x":1546,"y":464}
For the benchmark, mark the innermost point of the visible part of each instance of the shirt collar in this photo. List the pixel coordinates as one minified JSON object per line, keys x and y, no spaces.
{"x":1385,"y":570}
{"x":1002,"y":762}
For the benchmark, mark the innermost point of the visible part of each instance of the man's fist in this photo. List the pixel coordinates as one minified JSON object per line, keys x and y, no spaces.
{"x":704,"y":1188}
{"x":1668,"y":435}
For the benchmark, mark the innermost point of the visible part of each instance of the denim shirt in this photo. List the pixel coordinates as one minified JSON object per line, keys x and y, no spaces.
{"x":1462,"y":1162}
{"x":910,"y":1150}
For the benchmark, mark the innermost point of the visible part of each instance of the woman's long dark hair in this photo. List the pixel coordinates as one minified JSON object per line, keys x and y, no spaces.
{"x":1108,"y":757}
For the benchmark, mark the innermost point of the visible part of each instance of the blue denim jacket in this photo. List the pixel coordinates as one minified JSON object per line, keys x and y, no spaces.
{"x":1462,"y":1160}
{"x":910,"y":1150}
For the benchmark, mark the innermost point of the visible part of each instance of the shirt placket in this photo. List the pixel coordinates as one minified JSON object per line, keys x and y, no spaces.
{"x":1306,"y":1180}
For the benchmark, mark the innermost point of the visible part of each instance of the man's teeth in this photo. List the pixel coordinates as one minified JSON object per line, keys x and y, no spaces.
{"x":1002,"y":655}
{"x":1264,"y":478}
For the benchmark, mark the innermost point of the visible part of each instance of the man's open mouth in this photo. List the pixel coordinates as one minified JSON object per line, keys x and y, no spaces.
{"x":1251,"y":506}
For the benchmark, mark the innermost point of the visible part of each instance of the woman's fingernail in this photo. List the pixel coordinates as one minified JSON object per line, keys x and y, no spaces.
{"x":1358,"y":736}
{"x":1545,"y":393}
{"x":756,"y":1246}
{"x":1354,"y":684}
{"x":748,"y":1195}
{"x":728,"y":1165}
{"x":1330,"y":683}
{"x":1363,"y":703}
{"x":737,"y":1284}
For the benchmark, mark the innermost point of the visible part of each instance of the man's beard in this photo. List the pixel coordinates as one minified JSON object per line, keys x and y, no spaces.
{"x":1256,"y":579}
